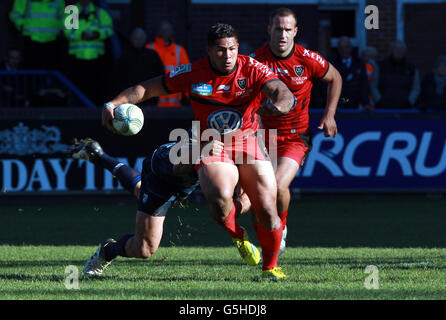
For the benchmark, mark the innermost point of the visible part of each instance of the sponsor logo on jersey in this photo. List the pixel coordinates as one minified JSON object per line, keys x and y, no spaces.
{"x":225,"y":121}
{"x":180,"y":69}
{"x":260,"y":66}
{"x":242,"y":83}
{"x":202,"y":89}
{"x":244,"y":93}
{"x":299,"y":70}
{"x":281,"y":71}
{"x":222,"y":88}
{"x":299,"y":80}
{"x":315,"y":56}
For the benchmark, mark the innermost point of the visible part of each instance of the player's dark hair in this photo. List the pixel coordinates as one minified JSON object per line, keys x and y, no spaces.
{"x":219,"y":31}
{"x":282,"y":12}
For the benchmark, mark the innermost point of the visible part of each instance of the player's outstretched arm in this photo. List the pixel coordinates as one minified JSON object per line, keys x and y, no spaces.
{"x":143,"y":91}
{"x":280,"y":99}
{"x":334,"y":80}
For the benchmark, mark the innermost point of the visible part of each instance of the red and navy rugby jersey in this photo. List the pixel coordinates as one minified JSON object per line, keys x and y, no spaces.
{"x":226,"y":103}
{"x":297,"y":71}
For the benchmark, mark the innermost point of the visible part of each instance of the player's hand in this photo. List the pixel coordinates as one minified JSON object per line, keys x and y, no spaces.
{"x":267,"y":108}
{"x":328,"y":124}
{"x":212,"y":148}
{"x":107,"y":119}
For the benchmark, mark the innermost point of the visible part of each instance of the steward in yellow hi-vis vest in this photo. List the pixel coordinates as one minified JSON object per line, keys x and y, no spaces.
{"x":41,"y":20}
{"x":95,"y":25}
{"x":87,"y":55}
{"x":40,"y":24}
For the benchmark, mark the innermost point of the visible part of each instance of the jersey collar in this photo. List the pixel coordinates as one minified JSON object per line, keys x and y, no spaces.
{"x":220,"y":73}
{"x":282,"y":58}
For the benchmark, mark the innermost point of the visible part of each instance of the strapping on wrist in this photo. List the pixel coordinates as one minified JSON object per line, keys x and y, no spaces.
{"x":109,"y":105}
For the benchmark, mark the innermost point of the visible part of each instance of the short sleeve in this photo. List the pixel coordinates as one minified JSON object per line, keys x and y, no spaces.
{"x":318,"y":65}
{"x":261,"y":73}
{"x":179,"y":79}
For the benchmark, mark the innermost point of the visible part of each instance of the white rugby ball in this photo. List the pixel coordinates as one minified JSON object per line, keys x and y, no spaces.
{"x":128,"y":120}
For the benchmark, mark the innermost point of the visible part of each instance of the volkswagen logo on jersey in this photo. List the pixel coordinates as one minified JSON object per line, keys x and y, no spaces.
{"x":225,"y":121}
{"x":242,"y":82}
{"x":299,"y":69}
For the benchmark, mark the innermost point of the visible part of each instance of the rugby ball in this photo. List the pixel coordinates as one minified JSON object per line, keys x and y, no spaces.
{"x":128,"y":119}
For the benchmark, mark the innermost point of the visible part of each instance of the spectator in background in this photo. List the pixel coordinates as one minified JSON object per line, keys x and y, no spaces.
{"x":433,"y":87}
{"x":368,"y":56}
{"x":137,"y":64}
{"x":40,"y":23}
{"x":355,"y":87}
{"x":12,"y":94}
{"x":399,"y":81}
{"x":172,"y":55}
{"x":13,"y":60}
{"x":86,"y":48}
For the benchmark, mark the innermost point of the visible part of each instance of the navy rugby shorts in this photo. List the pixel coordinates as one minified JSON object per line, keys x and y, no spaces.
{"x":157,"y":195}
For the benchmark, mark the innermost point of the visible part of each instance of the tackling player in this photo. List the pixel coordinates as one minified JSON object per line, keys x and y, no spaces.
{"x":157,"y":187}
{"x":298,"y":68}
{"x":224,"y":89}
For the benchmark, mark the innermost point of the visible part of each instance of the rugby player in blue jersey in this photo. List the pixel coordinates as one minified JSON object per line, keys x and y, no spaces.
{"x":157,"y":187}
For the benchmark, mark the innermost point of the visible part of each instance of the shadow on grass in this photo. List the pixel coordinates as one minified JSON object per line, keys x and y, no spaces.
{"x":210,"y":294}
{"x":356,"y":221}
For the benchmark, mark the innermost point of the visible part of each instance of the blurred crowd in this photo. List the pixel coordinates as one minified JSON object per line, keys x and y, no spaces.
{"x":101,"y":64}
{"x":391,"y":83}
{"x":82,"y":44}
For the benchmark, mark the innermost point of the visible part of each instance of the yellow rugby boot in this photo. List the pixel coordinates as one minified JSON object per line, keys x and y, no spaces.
{"x":247,"y":250}
{"x":275,"y":274}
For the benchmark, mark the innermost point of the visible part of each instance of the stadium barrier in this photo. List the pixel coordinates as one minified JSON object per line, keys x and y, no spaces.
{"x":384,"y":151}
{"x":30,"y":88}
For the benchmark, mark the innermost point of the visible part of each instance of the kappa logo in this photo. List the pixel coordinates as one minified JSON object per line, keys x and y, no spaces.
{"x":281,"y":71}
{"x":299,"y":70}
{"x":225,"y":121}
{"x":222,"y":87}
{"x":315,"y":56}
{"x":242,"y":83}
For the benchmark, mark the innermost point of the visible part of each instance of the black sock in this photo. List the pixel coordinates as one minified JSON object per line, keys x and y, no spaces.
{"x":127,"y":176}
{"x":117,"y":248}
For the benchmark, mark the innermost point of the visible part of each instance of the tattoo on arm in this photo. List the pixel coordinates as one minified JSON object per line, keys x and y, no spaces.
{"x":133,"y":95}
{"x":270,"y":88}
{"x":282,"y":100}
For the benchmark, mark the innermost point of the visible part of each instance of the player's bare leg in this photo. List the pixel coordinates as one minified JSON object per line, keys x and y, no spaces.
{"x":218,"y":181}
{"x":148,"y":234}
{"x":241,"y":201}
{"x":143,"y":244}
{"x":259,"y":183}
{"x":285,"y":173}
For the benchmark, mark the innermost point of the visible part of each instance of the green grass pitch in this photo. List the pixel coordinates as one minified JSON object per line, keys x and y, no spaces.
{"x":331,"y":241}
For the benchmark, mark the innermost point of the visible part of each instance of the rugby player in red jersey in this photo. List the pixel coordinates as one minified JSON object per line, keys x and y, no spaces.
{"x":224,"y":90}
{"x":297,"y":67}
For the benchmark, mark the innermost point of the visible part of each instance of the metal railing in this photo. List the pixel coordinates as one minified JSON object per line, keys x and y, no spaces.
{"x":20,"y":87}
